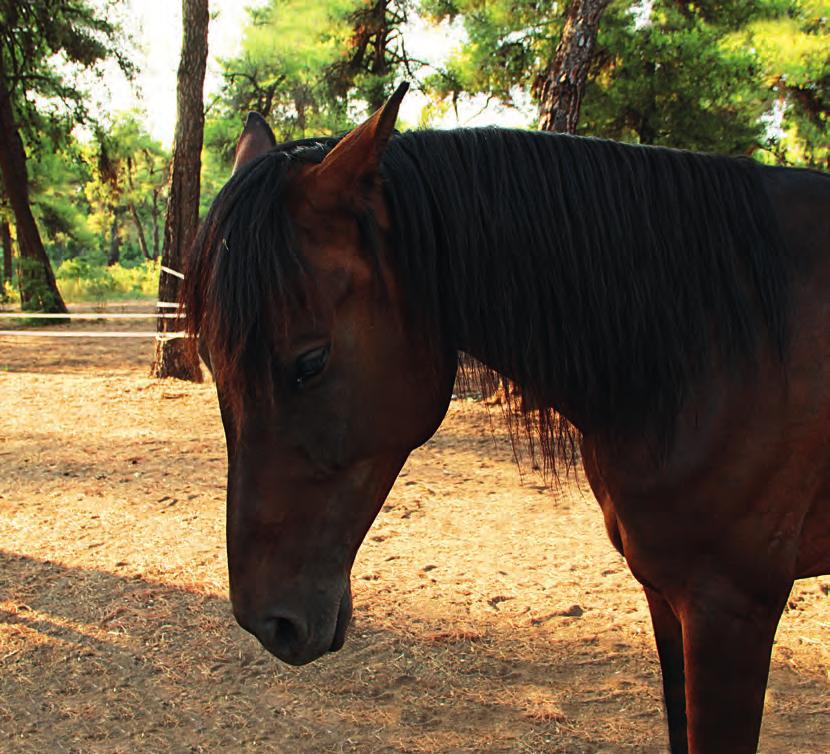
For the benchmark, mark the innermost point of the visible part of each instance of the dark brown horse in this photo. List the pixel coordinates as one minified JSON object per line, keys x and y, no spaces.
{"x":669,"y":311}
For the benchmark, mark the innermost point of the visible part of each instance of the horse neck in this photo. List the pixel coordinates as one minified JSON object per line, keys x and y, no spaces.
{"x":596,"y":276}
{"x":492,"y":245}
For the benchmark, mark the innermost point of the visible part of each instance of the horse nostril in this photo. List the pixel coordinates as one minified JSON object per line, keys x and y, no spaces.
{"x":283,"y":631}
{"x":283,"y":635}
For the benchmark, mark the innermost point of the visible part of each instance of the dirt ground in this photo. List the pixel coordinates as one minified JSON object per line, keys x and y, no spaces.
{"x":491,"y":614}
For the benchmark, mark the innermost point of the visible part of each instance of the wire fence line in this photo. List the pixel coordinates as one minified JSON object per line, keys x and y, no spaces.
{"x":85,"y":315}
{"x":103,"y":315}
{"x":94,"y":334}
{"x":96,"y":316}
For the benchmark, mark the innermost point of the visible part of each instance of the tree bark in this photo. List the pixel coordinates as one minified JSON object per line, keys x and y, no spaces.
{"x":178,"y":358}
{"x":154,"y":215}
{"x":115,"y":241}
{"x":139,"y":229}
{"x":562,"y":86}
{"x":380,"y":60}
{"x":38,"y":289}
{"x":6,"y":240}
{"x":369,"y":49}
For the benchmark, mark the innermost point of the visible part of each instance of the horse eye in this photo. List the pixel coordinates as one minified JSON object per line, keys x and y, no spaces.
{"x":310,"y":364}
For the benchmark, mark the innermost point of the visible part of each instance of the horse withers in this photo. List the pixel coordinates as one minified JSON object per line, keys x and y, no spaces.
{"x":664,"y":315}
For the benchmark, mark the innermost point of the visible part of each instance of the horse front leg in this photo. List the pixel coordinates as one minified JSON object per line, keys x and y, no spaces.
{"x":727,"y":638}
{"x":668,"y":634}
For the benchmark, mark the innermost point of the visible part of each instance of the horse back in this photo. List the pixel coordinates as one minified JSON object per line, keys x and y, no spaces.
{"x":801,"y":201}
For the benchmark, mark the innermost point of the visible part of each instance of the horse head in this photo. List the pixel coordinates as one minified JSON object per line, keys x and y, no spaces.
{"x":324,"y":387}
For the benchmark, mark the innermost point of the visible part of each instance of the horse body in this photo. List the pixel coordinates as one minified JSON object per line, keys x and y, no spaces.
{"x":704,"y":421}
{"x":718,"y":531}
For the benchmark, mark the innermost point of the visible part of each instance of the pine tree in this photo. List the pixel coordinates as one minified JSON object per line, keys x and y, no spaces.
{"x":41,"y":43}
{"x":176,"y":357}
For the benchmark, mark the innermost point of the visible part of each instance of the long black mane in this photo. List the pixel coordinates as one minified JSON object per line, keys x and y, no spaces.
{"x":601,"y":278}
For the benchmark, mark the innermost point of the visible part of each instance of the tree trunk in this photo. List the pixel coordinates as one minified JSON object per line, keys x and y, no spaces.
{"x":115,"y":240}
{"x":380,"y":60}
{"x":562,"y":86}
{"x":38,"y":289}
{"x":139,"y":229}
{"x":177,"y":358}
{"x":6,"y":240}
{"x":155,"y":220}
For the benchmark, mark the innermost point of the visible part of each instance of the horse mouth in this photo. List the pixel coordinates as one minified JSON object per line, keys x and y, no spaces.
{"x":344,"y":615}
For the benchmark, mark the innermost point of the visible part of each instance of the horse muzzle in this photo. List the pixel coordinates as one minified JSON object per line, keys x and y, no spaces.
{"x":300,"y":636}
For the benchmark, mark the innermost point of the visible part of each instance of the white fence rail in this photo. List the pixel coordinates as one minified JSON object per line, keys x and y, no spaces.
{"x":96,"y":316}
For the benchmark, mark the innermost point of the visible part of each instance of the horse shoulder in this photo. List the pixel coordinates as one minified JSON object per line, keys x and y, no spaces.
{"x":730,"y":495}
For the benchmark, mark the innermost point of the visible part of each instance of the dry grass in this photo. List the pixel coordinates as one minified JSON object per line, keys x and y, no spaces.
{"x":491,"y":616}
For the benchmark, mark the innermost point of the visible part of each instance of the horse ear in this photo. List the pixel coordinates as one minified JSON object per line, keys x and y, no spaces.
{"x":256,"y":139}
{"x":356,"y":157}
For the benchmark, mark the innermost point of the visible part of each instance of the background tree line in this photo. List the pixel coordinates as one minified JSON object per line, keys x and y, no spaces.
{"x":91,"y":189}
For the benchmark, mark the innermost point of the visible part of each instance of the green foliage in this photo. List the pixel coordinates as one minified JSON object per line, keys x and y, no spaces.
{"x":56,"y":178}
{"x":139,"y":281}
{"x":675,"y":79}
{"x":701,"y":75}
{"x":127,"y":188}
{"x":82,"y":193}
{"x":9,"y":293}
{"x":44,"y":45}
{"x":508,"y":45}
{"x":794,"y":51}
{"x":287,"y":46}
{"x":89,"y":279}
{"x":311,"y":67}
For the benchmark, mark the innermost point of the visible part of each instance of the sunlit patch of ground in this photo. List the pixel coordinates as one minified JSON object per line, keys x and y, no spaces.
{"x":491,"y":614}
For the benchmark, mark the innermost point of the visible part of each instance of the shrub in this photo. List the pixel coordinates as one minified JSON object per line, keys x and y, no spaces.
{"x":9,"y":293}
{"x":80,"y":279}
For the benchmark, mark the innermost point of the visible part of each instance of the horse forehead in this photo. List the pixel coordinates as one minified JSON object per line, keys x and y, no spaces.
{"x":317,"y":311}
{"x":332,"y":246}
{"x":318,"y":215}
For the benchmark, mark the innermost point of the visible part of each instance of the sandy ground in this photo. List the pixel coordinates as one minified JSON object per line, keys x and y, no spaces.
{"x":491,"y":614}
